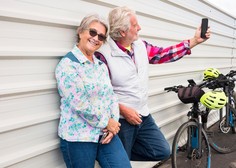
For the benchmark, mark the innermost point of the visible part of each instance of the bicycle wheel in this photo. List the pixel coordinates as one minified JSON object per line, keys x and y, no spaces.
{"x":185,"y":151}
{"x":221,"y":135}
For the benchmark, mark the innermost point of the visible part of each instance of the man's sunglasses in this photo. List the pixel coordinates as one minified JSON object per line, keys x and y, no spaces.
{"x":93,"y":33}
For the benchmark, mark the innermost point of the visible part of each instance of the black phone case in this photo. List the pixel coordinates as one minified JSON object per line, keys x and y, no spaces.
{"x":204,"y":27}
{"x":105,"y":134}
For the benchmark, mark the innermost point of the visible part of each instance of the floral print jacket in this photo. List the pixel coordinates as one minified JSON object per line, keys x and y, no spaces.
{"x":87,"y":98}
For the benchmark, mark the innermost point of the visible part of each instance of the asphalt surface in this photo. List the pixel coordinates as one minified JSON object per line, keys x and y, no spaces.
{"x":217,"y":160}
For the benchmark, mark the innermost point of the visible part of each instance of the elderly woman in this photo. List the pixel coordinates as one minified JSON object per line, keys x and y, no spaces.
{"x":88,"y":124}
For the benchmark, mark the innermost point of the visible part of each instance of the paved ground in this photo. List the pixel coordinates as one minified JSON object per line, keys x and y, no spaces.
{"x":217,"y":161}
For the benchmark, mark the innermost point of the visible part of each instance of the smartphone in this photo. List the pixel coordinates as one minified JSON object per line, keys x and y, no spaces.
{"x":105,"y":134}
{"x":204,"y":27}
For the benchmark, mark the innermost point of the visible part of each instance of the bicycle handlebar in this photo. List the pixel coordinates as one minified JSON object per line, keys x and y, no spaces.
{"x":231,"y":73}
{"x":173,"y":88}
{"x":222,"y":80}
{"x":219,"y":82}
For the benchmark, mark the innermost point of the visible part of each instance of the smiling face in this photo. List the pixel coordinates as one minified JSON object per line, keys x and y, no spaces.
{"x":89,"y":44}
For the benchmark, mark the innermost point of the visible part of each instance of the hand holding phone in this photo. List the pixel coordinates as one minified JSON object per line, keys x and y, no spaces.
{"x":204,"y":27}
{"x":105,"y":134}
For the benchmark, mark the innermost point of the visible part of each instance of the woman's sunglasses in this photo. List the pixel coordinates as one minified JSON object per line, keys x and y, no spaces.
{"x":93,"y":33}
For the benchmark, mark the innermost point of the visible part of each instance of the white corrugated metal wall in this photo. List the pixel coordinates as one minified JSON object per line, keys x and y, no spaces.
{"x":35,"y":34}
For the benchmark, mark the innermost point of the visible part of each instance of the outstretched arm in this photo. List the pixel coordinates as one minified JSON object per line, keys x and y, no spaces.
{"x":197,"y":37}
{"x":159,"y":55}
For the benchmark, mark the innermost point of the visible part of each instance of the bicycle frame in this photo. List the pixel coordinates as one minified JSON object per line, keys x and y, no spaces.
{"x":195,"y":135}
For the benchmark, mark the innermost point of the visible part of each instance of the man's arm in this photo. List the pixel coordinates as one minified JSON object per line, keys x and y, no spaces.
{"x":131,"y":115}
{"x":197,"y":37}
{"x":159,"y":55}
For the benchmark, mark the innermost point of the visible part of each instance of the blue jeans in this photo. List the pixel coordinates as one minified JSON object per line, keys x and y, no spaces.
{"x":84,"y":154}
{"x":144,"y":142}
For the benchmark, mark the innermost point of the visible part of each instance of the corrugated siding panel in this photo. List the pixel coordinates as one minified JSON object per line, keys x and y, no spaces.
{"x":35,"y":34}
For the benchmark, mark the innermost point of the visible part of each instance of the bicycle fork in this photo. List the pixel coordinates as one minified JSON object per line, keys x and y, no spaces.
{"x":195,"y":141}
{"x":229,"y":109}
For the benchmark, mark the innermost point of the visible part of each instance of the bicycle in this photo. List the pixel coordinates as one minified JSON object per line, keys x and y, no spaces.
{"x":225,"y":119}
{"x":190,"y":147}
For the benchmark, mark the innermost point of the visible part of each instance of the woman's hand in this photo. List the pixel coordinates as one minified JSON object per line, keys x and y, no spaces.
{"x":107,"y":139}
{"x":113,"y":126}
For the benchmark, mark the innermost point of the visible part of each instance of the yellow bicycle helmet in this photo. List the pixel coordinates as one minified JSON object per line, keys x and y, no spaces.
{"x":214,"y":99}
{"x":210,"y":73}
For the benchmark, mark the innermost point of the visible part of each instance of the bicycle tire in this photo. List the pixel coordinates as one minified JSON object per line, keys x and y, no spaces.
{"x":222,"y":138}
{"x":180,"y":149}
{"x":233,"y":109}
{"x":234,"y":124}
{"x":232,"y":117}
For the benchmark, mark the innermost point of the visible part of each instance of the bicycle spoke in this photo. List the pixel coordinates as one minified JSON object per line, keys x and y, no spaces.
{"x":185,"y":154}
